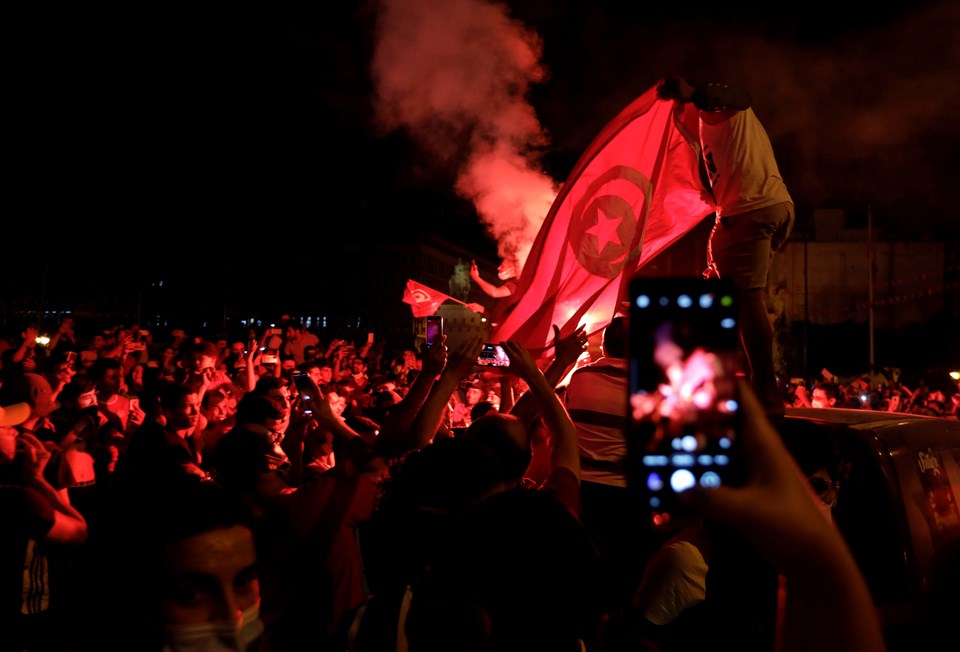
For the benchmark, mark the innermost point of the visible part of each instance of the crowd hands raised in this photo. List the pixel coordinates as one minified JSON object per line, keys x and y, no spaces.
{"x":186,"y":494}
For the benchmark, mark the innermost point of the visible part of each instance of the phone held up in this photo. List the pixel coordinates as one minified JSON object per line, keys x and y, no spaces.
{"x":307,"y":390}
{"x":434,"y":334}
{"x":683,"y":412}
{"x":493,"y":355}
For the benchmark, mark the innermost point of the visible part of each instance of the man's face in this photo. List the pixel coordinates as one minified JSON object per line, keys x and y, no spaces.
{"x":474,"y":395}
{"x":506,"y":270}
{"x":87,"y":400}
{"x":211,"y":577}
{"x":220,"y":407}
{"x":337,"y":402}
{"x":202,"y":362}
{"x":326,"y":374}
{"x":111,"y":381}
{"x":281,"y":398}
{"x":186,"y":413}
{"x":819,"y":399}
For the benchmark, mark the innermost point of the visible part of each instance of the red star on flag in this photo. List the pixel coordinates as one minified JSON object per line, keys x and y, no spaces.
{"x":605,"y":230}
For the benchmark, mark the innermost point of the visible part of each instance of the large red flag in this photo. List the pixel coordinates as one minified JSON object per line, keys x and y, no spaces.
{"x":634,"y":191}
{"x":423,"y":301}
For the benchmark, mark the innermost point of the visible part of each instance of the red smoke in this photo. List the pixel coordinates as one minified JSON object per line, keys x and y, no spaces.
{"x":455,"y":75}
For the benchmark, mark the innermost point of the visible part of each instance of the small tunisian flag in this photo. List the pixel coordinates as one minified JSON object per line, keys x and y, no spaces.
{"x":423,"y":301}
{"x":634,"y":191}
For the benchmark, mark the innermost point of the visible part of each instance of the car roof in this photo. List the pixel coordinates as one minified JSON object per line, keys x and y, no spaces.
{"x":897,"y":430}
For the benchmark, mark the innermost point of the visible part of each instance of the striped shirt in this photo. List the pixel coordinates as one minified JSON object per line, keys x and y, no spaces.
{"x":596,"y":398}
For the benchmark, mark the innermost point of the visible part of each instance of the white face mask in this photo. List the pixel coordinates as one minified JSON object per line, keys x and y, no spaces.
{"x":241,"y":636}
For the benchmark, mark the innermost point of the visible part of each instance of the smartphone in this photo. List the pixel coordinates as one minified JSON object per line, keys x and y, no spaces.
{"x":683,"y":414}
{"x":434,"y":330}
{"x":493,"y":355}
{"x":307,"y":390}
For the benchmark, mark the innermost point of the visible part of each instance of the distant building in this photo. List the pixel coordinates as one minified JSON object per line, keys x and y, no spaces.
{"x":826,"y":280}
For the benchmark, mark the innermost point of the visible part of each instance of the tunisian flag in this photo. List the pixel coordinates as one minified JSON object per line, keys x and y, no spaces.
{"x":423,"y":301}
{"x":634,"y":191}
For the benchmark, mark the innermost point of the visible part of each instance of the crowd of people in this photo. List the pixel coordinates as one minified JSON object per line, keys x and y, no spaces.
{"x":279,"y":491}
{"x":874,"y":392}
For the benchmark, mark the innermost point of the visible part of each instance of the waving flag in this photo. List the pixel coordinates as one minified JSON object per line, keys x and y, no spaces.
{"x":634,"y":191}
{"x":423,"y":301}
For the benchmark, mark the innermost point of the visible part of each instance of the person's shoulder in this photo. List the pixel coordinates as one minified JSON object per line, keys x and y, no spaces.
{"x":601,"y":364}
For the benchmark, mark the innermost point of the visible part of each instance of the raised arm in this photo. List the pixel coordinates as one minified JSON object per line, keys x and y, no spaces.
{"x":460,"y":364}
{"x":395,"y":434}
{"x":495,"y":291}
{"x":565,"y":452}
{"x":69,"y":525}
{"x":568,"y":351}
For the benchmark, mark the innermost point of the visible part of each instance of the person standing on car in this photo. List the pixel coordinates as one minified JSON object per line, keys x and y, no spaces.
{"x":754,"y":213}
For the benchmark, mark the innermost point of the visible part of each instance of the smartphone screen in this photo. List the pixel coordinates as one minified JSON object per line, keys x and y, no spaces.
{"x":684,"y":356}
{"x":493,"y":355}
{"x":307,"y":390}
{"x":434,"y":330}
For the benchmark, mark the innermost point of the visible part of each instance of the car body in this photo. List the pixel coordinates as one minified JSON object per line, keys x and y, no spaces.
{"x":897,"y":507}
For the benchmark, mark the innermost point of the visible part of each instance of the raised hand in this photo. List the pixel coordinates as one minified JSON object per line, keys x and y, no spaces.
{"x":570,"y":348}
{"x":435,"y":358}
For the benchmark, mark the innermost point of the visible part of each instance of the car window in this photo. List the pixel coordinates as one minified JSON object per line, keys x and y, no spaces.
{"x":871,"y":518}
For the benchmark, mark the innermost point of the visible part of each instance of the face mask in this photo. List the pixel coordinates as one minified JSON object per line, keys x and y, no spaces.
{"x":217,"y":637}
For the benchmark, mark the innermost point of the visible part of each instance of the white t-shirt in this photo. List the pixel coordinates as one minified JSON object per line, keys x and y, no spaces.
{"x":740,"y":163}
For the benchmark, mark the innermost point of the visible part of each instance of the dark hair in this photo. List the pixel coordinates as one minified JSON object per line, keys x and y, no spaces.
{"x":171,"y":393}
{"x":615,"y":338}
{"x":832,"y":390}
{"x":496,"y":431}
{"x":257,"y":408}
{"x":266,"y":383}
{"x":481,"y":408}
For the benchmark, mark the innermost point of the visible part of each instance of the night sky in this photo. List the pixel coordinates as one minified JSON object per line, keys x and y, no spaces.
{"x":147,"y":141}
